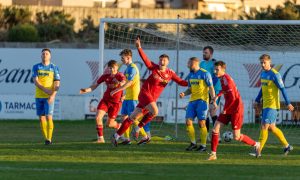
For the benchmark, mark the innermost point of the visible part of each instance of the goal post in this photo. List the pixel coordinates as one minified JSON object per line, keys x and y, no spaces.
{"x":237,"y":42}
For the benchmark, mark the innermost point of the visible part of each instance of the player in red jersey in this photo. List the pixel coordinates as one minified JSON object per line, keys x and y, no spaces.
{"x":233,"y":111}
{"x":150,"y":92}
{"x":108,"y":104}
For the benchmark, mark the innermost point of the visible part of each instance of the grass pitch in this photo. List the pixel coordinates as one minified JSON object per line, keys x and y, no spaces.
{"x":73,"y":156}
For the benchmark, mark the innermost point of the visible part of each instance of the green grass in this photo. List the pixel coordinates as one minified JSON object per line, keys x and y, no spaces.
{"x":74,"y":156}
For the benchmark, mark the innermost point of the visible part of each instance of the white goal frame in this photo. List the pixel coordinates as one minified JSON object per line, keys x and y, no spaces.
{"x":177,"y":22}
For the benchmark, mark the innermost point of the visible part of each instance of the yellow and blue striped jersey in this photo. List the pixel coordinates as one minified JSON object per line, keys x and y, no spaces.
{"x":271,"y":82}
{"x":199,"y":83}
{"x":46,"y":76}
{"x":132,"y":74}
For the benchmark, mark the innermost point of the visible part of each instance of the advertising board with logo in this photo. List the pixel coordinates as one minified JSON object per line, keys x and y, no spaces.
{"x":80,"y":68}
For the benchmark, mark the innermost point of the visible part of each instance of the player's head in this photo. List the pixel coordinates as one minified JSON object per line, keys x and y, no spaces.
{"x":265,"y":61}
{"x":220,"y":68}
{"x":113,"y":66}
{"x":193,"y":63}
{"x":126,"y":56}
{"x":163,"y":60}
{"x":46,"y":55}
{"x":208,"y":52}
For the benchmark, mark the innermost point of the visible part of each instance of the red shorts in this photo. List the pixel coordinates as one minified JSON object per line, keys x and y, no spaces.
{"x":236,"y":119}
{"x":112,"y":109}
{"x":145,"y":99}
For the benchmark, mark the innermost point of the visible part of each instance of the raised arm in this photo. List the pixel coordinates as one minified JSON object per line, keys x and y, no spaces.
{"x":178,"y":80}
{"x":93,"y":86}
{"x":148,"y":62}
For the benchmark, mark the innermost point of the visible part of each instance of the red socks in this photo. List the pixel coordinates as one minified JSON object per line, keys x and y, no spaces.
{"x":125,"y":125}
{"x":99,"y":129}
{"x":147,"y":118}
{"x":247,"y":140}
{"x":214,"y":141}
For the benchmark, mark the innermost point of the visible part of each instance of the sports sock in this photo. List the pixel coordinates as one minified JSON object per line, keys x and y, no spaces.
{"x":50,"y":129}
{"x":127,"y":133}
{"x":147,"y":118}
{"x":191,"y":133}
{"x":143,"y":132}
{"x":99,"y":129}
{"x":214,"y":141}
{"x":279,"y":134}
{"x":43,"y":125}
{"x":203,"y":135}
{"x":263,"y":136}
{"x":207,"y":123}
{"x":125,"y":125}
{"x":214,"y":119}
{"x":247,"y":140}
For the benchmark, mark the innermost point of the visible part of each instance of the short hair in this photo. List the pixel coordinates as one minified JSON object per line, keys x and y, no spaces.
{"x":46,"y":49}
{"x":164,"y":56}
{"x":112,"y":63}
{"x":194,"y":59}
{"x":221,"y":63}
{"x":126,"y":52}
{"x":211,"y":49}
{"x":265,"y":56}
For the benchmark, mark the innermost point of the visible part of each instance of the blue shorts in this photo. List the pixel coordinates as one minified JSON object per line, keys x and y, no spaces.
{"x":43,"y":108}
{"x":128,"y":107}
{"x":269,"y":115}
{"x":197,"y":108}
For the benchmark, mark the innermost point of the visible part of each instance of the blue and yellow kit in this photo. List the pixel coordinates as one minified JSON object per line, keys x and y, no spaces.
{"x":46,"y":76}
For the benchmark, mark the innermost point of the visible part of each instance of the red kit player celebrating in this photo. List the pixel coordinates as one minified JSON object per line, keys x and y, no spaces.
{"x":108,"y":104}
{"x":233,"y":111}
{"x":150,"y":92}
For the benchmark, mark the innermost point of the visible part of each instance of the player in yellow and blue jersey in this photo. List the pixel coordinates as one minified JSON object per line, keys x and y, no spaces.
{"x":132,"y":90}
{"x":46,"y":78}
{"x":271,"y":84}
{"x":200,"y":85}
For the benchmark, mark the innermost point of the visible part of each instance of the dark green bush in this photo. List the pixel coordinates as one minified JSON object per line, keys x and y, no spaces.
{"x":23,"y":33}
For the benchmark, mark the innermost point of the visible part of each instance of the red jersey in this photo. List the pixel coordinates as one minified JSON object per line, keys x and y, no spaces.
{"x":158,"y":80}
{"x":233,"y":100}
{"x":112,"y":82}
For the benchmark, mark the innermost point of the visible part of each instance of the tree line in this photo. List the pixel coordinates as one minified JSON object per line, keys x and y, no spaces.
{"x":17,"y":25}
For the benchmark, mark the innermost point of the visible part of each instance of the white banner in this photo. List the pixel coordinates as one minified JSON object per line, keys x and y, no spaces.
{"x":80,"y":67}
{"x":23,"y":107}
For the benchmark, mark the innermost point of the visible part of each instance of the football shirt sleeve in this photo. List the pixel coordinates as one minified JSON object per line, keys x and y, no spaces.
{"x":178,"y":80}
{"x":258,"y":98}
{"x":56,"y":74}
{"x":149,"y":64}
{"x":279,"y":83}
{"x":34,"y":72}
{"x":101,"y":79}
{"x":208,"y":79}
{"x":188,"y":79}
{"x":131,"y":73}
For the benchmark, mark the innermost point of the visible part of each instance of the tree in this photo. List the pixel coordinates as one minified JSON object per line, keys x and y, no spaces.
{"x":290,"y":11}
{"x":55,"y":25}
{"x":89,"y":32}
{"x":23,"y":33}
{"x":13,"y":16}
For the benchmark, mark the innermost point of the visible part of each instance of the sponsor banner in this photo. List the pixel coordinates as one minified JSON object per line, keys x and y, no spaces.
{"x":80,"y":68}
{"x":90,"y":107}
{"x":23,"y":107}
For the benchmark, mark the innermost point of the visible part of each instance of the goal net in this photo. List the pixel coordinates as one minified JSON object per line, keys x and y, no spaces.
{"x":238,"y":43}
